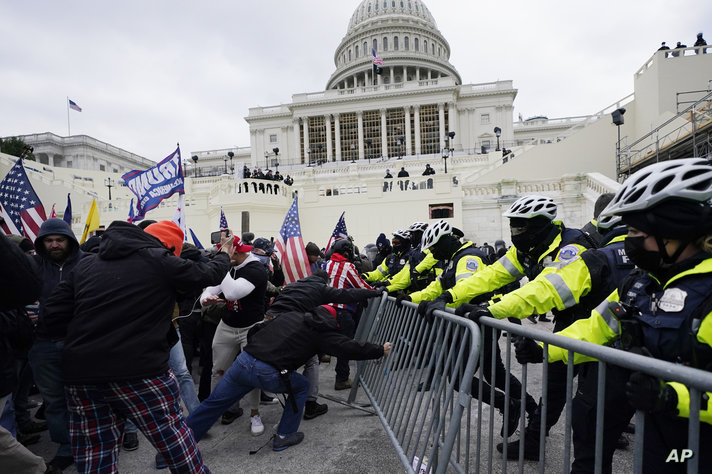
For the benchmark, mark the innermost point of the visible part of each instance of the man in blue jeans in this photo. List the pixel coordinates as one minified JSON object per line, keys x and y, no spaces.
{"x":275,"y":350}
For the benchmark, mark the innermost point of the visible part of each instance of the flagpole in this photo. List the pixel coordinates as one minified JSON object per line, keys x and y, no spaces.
{"x":69,"y":132}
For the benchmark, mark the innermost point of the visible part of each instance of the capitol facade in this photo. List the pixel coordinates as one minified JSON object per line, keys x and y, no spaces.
{"x":337,"y":144}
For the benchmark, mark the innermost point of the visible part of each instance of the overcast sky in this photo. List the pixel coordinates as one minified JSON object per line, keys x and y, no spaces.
{"x":152,"y":73}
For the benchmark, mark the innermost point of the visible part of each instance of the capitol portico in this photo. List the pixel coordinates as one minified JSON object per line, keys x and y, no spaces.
{"x":337,"y":143}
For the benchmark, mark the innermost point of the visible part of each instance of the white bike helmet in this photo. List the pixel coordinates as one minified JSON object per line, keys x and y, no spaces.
{"x":402,"y":234}
{"x":417,"y":226}
{"x":531,"y":206}
{"x":687,"y":179}
{"x":608,"y":222}
{"x":433,"y":234}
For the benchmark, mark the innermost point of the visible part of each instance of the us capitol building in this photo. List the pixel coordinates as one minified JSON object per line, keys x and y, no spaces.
{"x":337,"y":144}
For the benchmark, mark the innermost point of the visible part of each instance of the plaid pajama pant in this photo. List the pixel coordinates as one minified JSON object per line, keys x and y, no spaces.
{"x":96,"y":423}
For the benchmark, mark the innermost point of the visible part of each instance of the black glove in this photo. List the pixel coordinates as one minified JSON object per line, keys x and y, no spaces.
{"x":478,"y":311}
{"x":400,"y":298}
{"x":464,"y":309}
{"x":527,"y":351}
{"x":423,"y":307}
{"x":379,"y":284}
{"x":376,"y":293}
{"x":438,"y":304}
{"x":650,"y":394}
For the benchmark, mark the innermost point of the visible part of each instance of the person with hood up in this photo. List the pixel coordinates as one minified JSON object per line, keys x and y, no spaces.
{"x":394,"y":262}
{"x":58,"y":253}
{"x":275,"y":350}
{"x":114,"y":315}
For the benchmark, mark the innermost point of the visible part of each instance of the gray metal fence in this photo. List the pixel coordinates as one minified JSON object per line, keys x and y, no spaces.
{"x":422,"y":391}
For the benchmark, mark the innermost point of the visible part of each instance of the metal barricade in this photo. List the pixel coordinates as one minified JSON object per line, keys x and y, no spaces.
{"x":417,"y":391}
{"x":697,"y":381}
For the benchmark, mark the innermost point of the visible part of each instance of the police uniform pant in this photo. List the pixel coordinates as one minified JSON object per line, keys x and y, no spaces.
{"x":617,"y":414}
{"x":665,"y":433}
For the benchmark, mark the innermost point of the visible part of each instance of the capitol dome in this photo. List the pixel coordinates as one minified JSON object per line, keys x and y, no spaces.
{"x":403,"y":33}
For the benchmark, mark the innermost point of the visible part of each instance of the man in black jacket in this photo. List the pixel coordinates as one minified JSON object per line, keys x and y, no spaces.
{"x":274,"y":351}
{"x":114,"y":314}
{"x":57,"y":254}
{"x":20,"y":284}
{"x":301,"y":296}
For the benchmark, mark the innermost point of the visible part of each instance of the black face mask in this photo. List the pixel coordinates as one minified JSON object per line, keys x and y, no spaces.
{"x":648,"y":260}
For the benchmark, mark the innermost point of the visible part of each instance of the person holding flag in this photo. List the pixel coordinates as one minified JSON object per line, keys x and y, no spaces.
{"x":92,"y":221}
{"x":21,"y":211}
{"x":290,"y":246}
{"x":339,"y":232}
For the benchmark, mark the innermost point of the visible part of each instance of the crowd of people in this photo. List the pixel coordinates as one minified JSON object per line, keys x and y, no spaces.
{"x":699,"y":41}
{"x":257,"y":173}
{"x":108,"y":332}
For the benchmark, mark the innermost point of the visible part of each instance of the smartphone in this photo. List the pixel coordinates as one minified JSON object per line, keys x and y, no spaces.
{"x":215,"y":237}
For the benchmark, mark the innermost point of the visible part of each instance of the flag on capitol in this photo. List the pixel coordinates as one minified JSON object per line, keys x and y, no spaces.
{"x":21,"y":210}
{"x":73,"y":105}
{"x":291,"y":247}
{"x":340,"y":231}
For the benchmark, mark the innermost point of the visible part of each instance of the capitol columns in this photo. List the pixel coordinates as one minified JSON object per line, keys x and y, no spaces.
{"x":454,"y":123}
{"x":441,"y":119}
{"x":294,"y":148}
{"x":307,"y":154}
{"x":384,"y":135}
{"x":407,"y":130}
{"x":416,"y":119}
{"x":337,"y":130}
{"x":327,"y":124}
{"x":359,"y":115}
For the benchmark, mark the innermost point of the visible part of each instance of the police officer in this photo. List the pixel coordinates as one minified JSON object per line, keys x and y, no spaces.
{"x":421,"y":267}
{"x":394,"y":262}
{"x":669,"y":216}
{"x":541,"y":245}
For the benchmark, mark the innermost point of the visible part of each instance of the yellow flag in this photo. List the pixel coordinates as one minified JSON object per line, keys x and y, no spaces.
{"x":92,"y":221}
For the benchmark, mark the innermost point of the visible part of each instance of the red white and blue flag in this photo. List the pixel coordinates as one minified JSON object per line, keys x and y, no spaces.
{"x":340,"y":231}
{"x":73,"y":105}
{"x":20,"y":207}
{"x":223,"y":220}
{"x":179,"y":217}
{"x":67,"y":216}
{"x":376,"y":60}
{"x":291,"y":247}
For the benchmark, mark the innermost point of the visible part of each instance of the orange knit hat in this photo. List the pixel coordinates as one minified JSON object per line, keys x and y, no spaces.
{"x":169,"y":234}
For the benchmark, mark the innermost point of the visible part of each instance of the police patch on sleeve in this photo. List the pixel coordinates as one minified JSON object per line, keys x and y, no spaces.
{"x":568,"y":253}
{"x":472,"y":265}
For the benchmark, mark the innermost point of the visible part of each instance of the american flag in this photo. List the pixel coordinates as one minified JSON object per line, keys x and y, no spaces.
{"x":179,"y":217}
{"x":20,"y":206}
{"x":223,"y":221}
{"x":73,"y":105}
{"x":291,"y":247}
{"x":340,"y":231}
{"x":376,"y":60}
{"x":131,"y":212}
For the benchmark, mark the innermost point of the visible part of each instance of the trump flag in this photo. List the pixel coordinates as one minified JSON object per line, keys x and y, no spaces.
{"x":156,"y":184}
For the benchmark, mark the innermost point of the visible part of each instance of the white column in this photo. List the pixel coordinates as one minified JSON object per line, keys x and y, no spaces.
{"x":416,"y":119}
{"x":417,"y":73}
{"x":392,"y":74}
{"x":454,"y":123}
{"x":441,"y":119}
{"x":327,"y":124}
{"x":253,"y":148}
{"x":305,"y":125}
{"x":294,"y":148}
{"x":407,"y":130}
{"x":360,"y":135}
{"x":405,"y":74}
{"x":384,"y":134}
{"x":337,"y":133}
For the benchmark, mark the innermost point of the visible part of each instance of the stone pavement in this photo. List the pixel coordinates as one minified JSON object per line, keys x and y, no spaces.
{"x":343,"y":441}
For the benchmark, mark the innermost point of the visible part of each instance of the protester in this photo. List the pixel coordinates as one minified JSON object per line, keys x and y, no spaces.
{"x":275,"y":350}
{"x":57,"y":254}
{"x":315,"y":256}
{"x":114,"y":314}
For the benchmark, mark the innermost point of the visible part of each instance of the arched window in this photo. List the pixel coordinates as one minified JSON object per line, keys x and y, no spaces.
{"x":375,"y":45}
{"x":406,"y":44}
{"x":440,"y":53}
{"x":385,"y":43}
{"x":365,"y":48}
{"x":376,"y":6}
{"x":395,"y":43}
{"x":356,"y":51}
{"x":415,"y":45}
{"x":349,"y":55}
{"x":385,"y":4}
{"x":432,"y":49}
{"x":425,"y":46}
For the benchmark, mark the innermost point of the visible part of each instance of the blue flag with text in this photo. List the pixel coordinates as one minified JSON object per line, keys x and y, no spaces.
{"x":156,"y":184}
